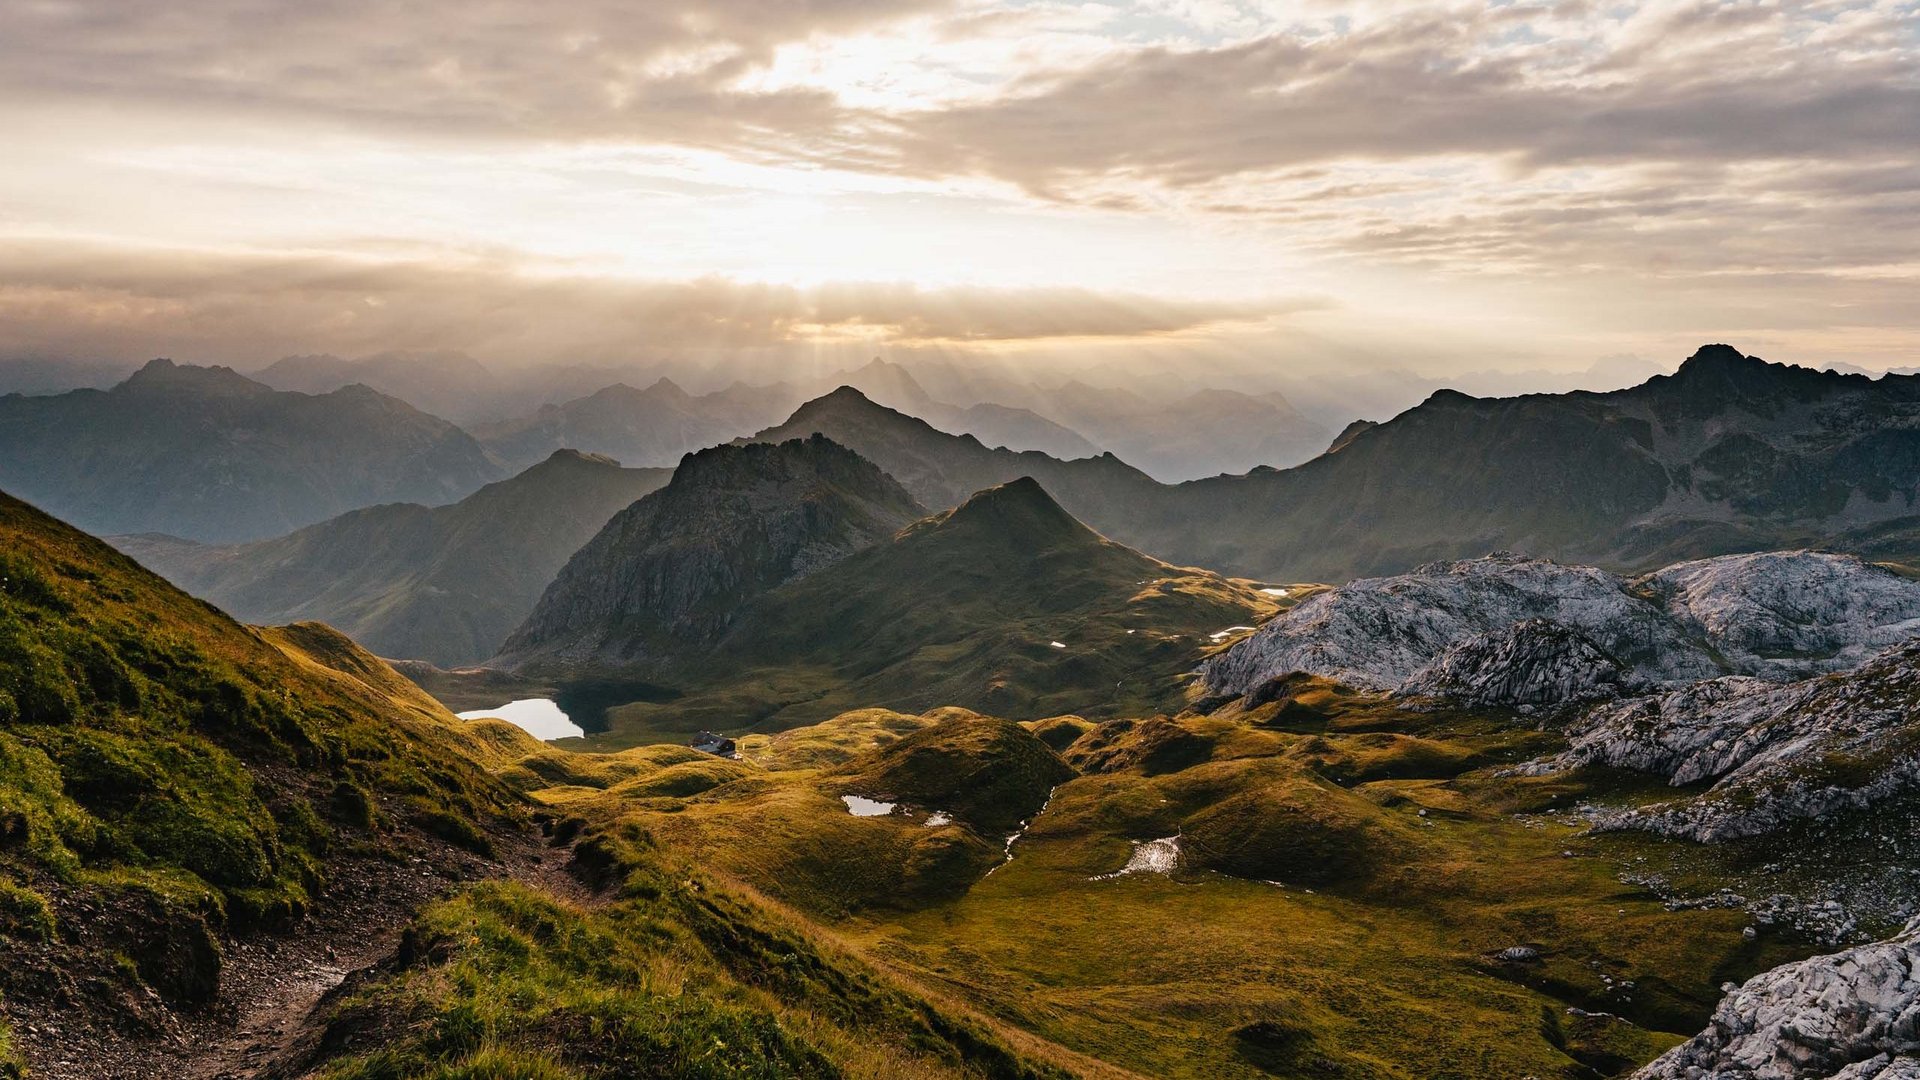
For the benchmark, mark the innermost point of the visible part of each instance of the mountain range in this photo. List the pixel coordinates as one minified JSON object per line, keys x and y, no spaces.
{"x":1730,"y":453}
{"x":1007,"y":797}
{"x":774,"y":581}
{"x":208,"y":454}
{"x":445,"y":584}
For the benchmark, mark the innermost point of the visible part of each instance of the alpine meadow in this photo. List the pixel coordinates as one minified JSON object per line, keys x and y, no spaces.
{"x":960,"y":540}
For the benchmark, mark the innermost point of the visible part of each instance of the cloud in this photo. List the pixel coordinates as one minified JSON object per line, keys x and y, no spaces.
{"x":1698,"y":81}
{"x":476,"y":68}
{"x":1716,"y":167}
{"x":106,"y":301}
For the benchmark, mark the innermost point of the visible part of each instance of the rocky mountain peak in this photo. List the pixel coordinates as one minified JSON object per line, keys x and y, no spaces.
{"x":840,"y":397}
{"x":163,"y":376}
{"x":565,"y":458}
{"x":666,"y":388}
{"x":1717,"y":375}
{"x":673,"y":570}
{"x":1351,"y":432}
{"x":814,"y":456}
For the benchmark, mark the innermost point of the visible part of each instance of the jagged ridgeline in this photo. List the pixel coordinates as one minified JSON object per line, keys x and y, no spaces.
{"x":775,"y":584}
{"x":1728,"y":454}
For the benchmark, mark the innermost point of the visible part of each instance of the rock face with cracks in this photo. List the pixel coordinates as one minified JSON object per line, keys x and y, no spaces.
{"x":1852,"y":1015}
{"x":1773,"y":753}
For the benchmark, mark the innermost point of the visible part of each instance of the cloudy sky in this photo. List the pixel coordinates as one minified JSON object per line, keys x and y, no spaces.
{"x":1304,"y":185}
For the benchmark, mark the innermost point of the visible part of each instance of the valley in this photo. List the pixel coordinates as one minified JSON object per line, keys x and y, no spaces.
{"x":1584,"y":747}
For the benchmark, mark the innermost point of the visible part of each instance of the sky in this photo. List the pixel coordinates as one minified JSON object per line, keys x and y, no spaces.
{"x":1248,"y":186}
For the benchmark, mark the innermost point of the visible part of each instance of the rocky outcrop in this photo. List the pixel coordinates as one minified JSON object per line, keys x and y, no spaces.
{"x":671,"y":572}
{"x":1511,"y":630}
{"x":1789,"y":613}
{"x":1852,"y":1015}
{"x":1533,"y":662}
{"x":1774,"y":754}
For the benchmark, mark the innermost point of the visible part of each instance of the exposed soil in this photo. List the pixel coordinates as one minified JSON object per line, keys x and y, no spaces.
{"x":88,"y":1026}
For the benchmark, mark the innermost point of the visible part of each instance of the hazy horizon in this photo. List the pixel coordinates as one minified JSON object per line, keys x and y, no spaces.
{"x":1249,"y":190}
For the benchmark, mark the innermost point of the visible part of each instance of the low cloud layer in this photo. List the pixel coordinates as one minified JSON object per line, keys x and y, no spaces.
{"x":58,"y":298}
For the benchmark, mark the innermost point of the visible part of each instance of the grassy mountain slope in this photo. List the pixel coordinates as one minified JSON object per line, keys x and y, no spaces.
{"x":192,"y":811}
{"x":1005,"y":604}
{"x":168,"y":776}
{"x":210,"y":455}
{"x":444,"y":584}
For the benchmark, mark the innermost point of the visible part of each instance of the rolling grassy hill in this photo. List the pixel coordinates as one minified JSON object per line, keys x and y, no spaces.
{"x":444,"y":584}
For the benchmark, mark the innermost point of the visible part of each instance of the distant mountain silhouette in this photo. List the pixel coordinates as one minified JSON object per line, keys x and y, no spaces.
{"x":208,"y":454}
{"x":654,"y":426}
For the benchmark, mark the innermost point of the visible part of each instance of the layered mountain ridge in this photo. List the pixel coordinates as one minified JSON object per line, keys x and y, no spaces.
{"x":208,"y":454}
{"x":444,"y":584}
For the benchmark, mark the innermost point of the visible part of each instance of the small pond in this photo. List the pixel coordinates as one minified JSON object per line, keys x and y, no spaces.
{"x":538,"y":717}
{"x":859,"y":806}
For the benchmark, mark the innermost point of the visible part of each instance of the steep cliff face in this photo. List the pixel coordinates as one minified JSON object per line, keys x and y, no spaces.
{"x":670,"y":573}
{"x":1853,"y":1015}
{"x":1510,"y":630}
